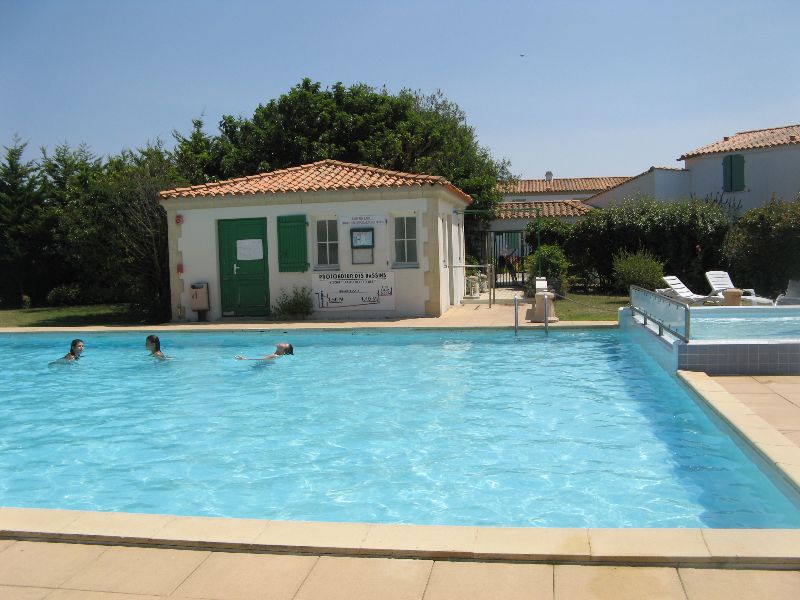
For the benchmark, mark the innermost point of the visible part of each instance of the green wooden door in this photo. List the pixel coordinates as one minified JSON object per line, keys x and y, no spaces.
{"x":244,"y":275}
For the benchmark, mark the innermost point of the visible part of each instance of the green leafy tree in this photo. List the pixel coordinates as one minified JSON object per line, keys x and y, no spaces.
{"x":408,"y":132}
{"x":23,"y":228}
{"x":194,"y":155}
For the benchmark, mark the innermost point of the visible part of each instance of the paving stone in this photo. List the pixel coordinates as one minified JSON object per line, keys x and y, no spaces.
{"x":733,"y":584}
{"x":343,"y":578}
{"x":574,"y":582}
{"x":237,"y":576}
{"x":137,"y":571}
{"x":42,"y":564}
{"x":489,"y":581}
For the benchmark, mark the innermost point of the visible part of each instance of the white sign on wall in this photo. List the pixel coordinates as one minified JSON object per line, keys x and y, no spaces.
{"x":249,"y":249}
{"x":353,"y":291}
{"x":363,"y":221}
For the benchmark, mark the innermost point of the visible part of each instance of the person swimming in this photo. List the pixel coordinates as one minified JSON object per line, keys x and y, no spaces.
{"x":153,"y":345}
{"x":76,"y":348}
{"x":281,"y":349}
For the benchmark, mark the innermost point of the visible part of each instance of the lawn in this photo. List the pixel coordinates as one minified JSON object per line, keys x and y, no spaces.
{"x":67,"y":316}
{"x":589,"y":307}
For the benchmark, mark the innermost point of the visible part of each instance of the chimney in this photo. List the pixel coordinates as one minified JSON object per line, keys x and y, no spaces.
{"x":548,"y":176}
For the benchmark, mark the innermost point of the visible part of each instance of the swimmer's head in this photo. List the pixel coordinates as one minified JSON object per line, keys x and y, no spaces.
{"x":76,"y":348}
{"x":284,"y":348}
{"x":152,"y":343}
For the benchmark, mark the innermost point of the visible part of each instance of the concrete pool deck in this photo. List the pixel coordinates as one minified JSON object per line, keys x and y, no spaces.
{"x":75,"y":554}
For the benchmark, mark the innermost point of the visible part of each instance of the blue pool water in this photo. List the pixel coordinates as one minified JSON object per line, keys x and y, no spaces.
{"x":580,"y":429}
{"x":745,"y":323}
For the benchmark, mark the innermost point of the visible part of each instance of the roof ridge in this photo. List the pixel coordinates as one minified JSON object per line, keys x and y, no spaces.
{"x":331,"y":161}
{"x":767,"y":129}
{"x":326,"y":174}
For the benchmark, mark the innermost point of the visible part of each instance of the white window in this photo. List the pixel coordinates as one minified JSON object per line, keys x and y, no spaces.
{"x":327,"y":244}
{"x":405,"y":241}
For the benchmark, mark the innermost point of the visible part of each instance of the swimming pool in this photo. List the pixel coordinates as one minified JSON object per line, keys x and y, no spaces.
{"x":772,"y":322}
{"x":579,"y":429}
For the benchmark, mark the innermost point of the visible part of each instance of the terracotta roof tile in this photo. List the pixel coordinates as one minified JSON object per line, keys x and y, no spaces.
{"x":555,"y":186}
{"x":552,"y":208}
{"x":319,"y":176}
{"x":748,"y":140}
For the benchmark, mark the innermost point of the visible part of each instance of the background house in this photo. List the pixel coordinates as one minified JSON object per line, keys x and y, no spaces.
{"x":366,"y":241}
{"x":747,"y":168}
{"x":526,"y":198}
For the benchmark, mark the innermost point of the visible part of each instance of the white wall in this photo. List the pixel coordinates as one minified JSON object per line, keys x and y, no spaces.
{"x":767,"y":171}
{"x":197,"y":243}
{"x":642,"y":185}
{"x":672,"y":185}
{"x":663,"y":184}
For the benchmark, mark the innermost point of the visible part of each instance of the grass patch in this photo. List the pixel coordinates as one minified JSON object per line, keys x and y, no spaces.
{"x":589,"y":307}
{"x":68,"y":316}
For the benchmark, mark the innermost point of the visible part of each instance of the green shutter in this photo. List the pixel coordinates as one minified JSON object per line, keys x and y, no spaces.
{"x":733,"y":173}
{"x":737,"y":173}
{"x":292,"y":251}
{"x":726,"y":174}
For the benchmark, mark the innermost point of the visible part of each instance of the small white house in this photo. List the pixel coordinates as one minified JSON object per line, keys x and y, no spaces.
{"x":747,"y":168}
{"x":366,"y":242}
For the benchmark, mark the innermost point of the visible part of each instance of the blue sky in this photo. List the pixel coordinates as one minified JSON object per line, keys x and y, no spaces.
{"x":603,"y":89}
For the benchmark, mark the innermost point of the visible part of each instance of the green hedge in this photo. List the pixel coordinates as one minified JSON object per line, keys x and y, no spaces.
{"x":763,"y":248}
{"x":687,"y":236}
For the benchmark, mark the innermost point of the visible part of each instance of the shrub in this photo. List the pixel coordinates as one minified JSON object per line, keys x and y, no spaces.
{"x":762,"y":250}
{"x":65,"y":295}
{"x":26,"y":301}
{"x":554,"y":266}
{"x":471,"y":260}
{"x":553,"y":232}
{"x":299,"y":304}
{"x":640,"y":268}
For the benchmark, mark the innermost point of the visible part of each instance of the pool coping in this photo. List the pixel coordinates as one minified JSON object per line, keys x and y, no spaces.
{"x":690,"y":547}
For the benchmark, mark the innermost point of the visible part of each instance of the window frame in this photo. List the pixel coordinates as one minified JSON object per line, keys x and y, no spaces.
{"x":396,"y":263}
{"x":318,"y":266}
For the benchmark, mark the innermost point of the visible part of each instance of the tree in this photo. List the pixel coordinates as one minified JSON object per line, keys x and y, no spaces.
{"x":193,"y":155}
{"x":408,"y":132}
{"x":22,"y":227}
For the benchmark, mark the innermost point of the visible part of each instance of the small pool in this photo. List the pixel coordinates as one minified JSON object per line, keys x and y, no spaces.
{"x":711,"y":323}
{"x":578,"y":429}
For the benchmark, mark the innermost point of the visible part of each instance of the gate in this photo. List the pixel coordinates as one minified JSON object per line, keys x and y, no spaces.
{"x":509,"y":252}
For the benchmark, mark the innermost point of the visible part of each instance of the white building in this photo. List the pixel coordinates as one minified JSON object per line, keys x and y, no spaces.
{"x":367,"y":242}
{"x":747,"y":168}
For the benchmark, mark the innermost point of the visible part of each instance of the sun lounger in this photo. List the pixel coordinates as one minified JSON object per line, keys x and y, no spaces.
{"x":721,"y":281}
{"x":792,"y":295}
{"x":679,"y":291}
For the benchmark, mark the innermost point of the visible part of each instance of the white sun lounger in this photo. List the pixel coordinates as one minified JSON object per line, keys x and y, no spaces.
{"x":679,"y":291}
{"x":721,"y":281}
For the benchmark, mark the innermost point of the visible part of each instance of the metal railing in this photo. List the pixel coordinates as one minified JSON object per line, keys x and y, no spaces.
{"x":668,"y":314}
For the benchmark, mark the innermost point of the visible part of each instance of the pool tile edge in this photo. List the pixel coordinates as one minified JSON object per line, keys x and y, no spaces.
{"x":672,"y":547}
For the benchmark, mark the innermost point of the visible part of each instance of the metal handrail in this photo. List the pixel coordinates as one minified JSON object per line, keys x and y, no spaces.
{"x":635,"y":291}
